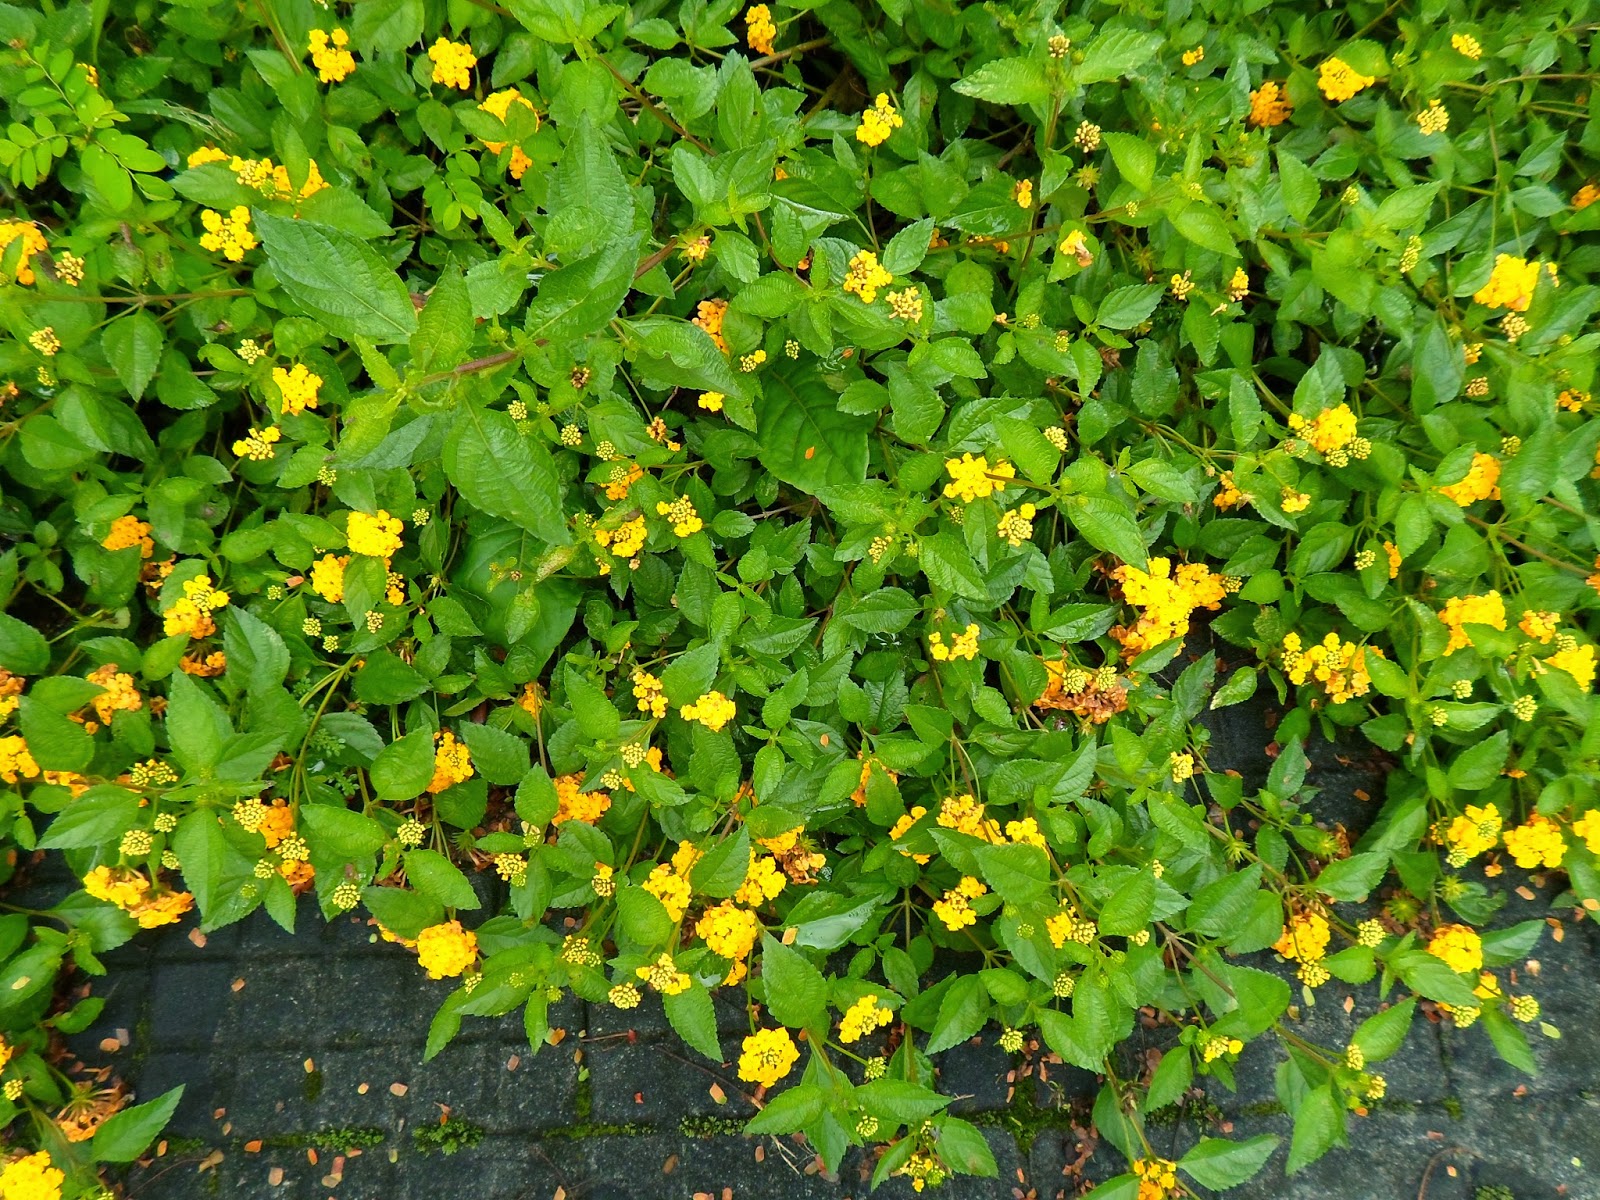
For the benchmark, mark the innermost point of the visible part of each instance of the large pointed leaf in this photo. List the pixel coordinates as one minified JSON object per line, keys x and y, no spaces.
{"x":805,"y":440}
{"x":501,"y":472}
{"x":338,"y":279}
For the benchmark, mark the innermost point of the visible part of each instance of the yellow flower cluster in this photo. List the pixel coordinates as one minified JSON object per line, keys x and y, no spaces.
{"x":333,"y":61}
{"x":1471,"y":833}
{"x":499,"y":104}
{"x":681,"y":512}
{"x":1538,"y":843}
{"x":1339,"y":81}
{"x":1158,"y":1177}
{"x":1435,"y":118}
{"x":965,"y":815}
{"x":1069,"y":925}
{"x":1466,"y":44}
{"x":713,"y":710}
{"x":862,"y":1018}
{"x":299,"y":388}
{"x":1484,"y":609}
{"x":709,"y":315}
{"x":759,"y":29}
{"x":1165,"y":599}
{"x":1016,"y":524}
{"x":1214,"y":1048}
{"x":575,"y":804}
{"x":625,"y":541}
{"x":974,"y":479}
{"x":192,"y":613}
{"x":31,"y":1177}
{"x":663,"y":975}
{"x":955,"y":909}
{"x":762,"y":882}
{"x":1511,"y":283}
{"x":865,"y":276}
{"x":1459,"y":947}
{"x":1022,"y":193}
{"x":766,"y":1056}
{"x":1330,"y":431}
{"x":452,"y":63}
{"x":119,"y":695}
{"x":669,"y":887}
{"x":1269,"y":106}
{"x":729,"y":931}
{"x":1304,"y":938}
{"x":228,"y":235}
{"x":647,"y":691}
{"x":903,"y":825}
{"x":1587,"y":827}
{"x":33,"y":242}
{"x":1191,"y":57}
{"x":447,"y":950}
{"x":327,"y":577}
{"x":878,"y":122}
{"x":1340,"y":667}
{"x":906,"y":304}
{"x":963,"y":645}
{"x":130,"y":531}
{"x":1540,"y":626}
{"x":1482,"y":482}
{"x":711,"y":401}
{"x":452,"y":764}
{"x":374,"y":536}
{"x":1577,"y":661}
{"x":131,"y":892}
{"x":257,"y":445}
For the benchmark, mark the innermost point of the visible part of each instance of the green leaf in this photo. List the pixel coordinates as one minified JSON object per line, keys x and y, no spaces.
{"x":720,"y":871}
{"x":805,"y":440}
{"x":23,"y":650}
{"x":580,"y":299}
{"x":1383,"y":1033}
{"x":1219,"y":1164}
{"x":962,"y":1012}
{"x":644,"y":918}
{"x":404,"y":768}
{"x":126,"y":1135}
{"x":790,"y":1110}
{"x":338,"y":278}
{"x":100,"y":816}
{"x":694,"y":1020}
{"x":797,"y":995}
{"x":1129,"y":908}
{"x":1115,"y":53}
{"x":504,"y":473}
{"x":1007,"y":81}
{"x":1125,"y":307}
{"x":432,"y":874}
{"x":133,"y":346}
{"x":1301,"y":191}
{"x":965,"y":1149}
{"x":898,"y":1100}
{"x":500,"y":757}
{"x":1319,"y":1123}
{"x":1476,"y":767}
{"x":385,"y":679}
{"x":1352,"y":878}
{"x":1108,"y":525}
{"x":56,"y":742}
{"x":343,"y":832}
{"x":691,"y":674}
{"x":948,"y":565}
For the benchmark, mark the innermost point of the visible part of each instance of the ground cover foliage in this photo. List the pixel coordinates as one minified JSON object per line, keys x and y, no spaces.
{"x":762,"y":483}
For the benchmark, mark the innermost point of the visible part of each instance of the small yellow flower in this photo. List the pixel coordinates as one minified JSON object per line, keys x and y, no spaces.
{"x":452,"y":764}
{"x":332,"y":60}
{"x":866,"y":276}
{"x":1459,"y":947}
{"x":1022,"y":193}
{"x":33,"y":242}
{"x":374,"y":536}
{"x":974,"y":478}
{"x":877,"y":123}
{"x":446,"y":950}
{"x":257,"y":444}
{"x":713,"y":710}
{"x":759,"y":29}
{"x":712,"y":401}
{"x":1511,"y":283}
{"x":681,"y":512}
{"x":45,"y":341}
{"x":1269,"y":106}
{"x":1435,"y":118}
{"x":1339,"y":81}
{"x":906,"y":304}
{"x":228,"y":235}
{"x":1190,"y":57}
{"x":767,"y":1056}
{"x":452,"y":63}
{"x":1467,"y":45}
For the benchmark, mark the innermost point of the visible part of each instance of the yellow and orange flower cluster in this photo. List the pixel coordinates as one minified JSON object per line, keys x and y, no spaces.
{"x":452,"y":764}
{"x":33,"y":242}
{"x":446,"y":951}
{"x":1458,"y":947}
{"x":127,"y":532}
{"x":330,"y":56}
{"x":975,"y":478}
{"x":130,"y":891}
{"x":865,"y":276}
{"x":452,"y":63}
{"x":766,"y":1056}
{"x":1481,"y":482}
{"x":1486,"y":608}
{"x":1340,"y":667}
{"x":1165,"y":599}
{"x":1511,"y":283}
{"x":575,"y":804}
{"x":759,"y":29}
{"x":1269,"y":106}
{"x":192,"y":613}
{"x":499,"y":104}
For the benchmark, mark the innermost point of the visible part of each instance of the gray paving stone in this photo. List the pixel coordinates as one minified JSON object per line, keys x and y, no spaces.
{"x":661,"y":1082}
{"x":974,"y":1074}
